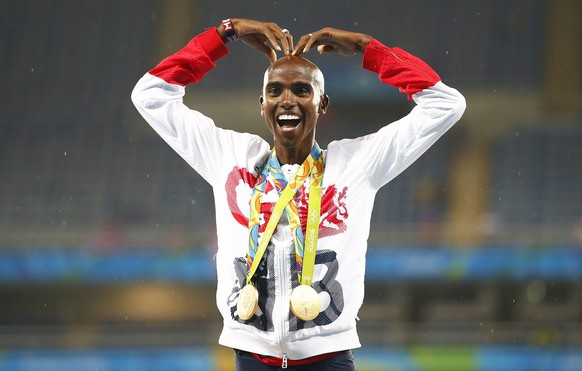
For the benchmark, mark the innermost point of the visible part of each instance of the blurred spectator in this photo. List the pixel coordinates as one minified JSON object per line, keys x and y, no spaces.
{"x":108,"y":238}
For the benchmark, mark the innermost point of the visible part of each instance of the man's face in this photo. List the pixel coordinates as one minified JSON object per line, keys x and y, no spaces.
{"x":292,"y":101}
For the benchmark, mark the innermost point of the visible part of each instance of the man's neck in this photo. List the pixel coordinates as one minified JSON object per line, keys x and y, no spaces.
{"x":291,"y":155}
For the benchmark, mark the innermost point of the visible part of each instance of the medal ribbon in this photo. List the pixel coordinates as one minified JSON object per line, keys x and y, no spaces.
{"x":305,"y":247}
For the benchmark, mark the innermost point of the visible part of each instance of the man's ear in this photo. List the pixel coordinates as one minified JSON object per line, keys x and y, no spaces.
{"x":323,"y":104}
{"x":261,"y":100}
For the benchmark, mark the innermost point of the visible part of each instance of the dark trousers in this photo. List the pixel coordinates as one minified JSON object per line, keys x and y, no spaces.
{"x":244,"y":361}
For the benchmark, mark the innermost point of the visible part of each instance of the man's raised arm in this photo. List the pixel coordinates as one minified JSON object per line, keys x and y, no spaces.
{"x":158,"y":95}
{"x":397,"y":145}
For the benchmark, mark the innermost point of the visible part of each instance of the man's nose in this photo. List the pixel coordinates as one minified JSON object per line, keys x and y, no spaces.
{"x":287,"y":99}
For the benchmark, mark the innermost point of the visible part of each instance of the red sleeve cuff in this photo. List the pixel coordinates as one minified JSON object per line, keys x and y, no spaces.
{"x":373,"y":56}
{"x":191,"y":63}
{"x":398,"y":68}
{"x":212,"y":44}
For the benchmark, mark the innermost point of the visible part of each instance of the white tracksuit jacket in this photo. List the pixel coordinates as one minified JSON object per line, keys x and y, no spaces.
{"x":354,"y":171}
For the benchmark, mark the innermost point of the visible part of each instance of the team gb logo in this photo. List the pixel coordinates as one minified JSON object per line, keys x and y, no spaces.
{"x":239,"y":186}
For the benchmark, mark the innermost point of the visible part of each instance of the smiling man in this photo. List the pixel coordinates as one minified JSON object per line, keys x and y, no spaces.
{"x":293,"y":98}
{"x":293,"y":219}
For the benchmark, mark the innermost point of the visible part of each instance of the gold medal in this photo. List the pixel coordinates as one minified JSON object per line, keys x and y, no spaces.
{"x":248,"y":302}
{"x":305,"y":302}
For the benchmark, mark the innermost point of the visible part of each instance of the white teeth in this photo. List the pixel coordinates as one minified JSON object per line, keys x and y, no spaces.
{"x":289,"y":117}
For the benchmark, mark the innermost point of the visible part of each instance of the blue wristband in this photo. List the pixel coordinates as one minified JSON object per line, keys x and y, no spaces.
{"x":231,"y":36}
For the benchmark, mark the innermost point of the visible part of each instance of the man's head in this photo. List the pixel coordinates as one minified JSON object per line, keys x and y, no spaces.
{"x":293,"y":98}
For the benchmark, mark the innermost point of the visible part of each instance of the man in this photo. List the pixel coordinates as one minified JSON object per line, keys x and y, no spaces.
{"x":293,"y":221}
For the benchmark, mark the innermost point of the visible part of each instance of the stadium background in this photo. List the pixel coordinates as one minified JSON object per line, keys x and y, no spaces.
{"x":106,"y":236}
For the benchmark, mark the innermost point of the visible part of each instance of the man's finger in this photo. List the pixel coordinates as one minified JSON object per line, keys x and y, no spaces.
{"x":326,"y":48}
{"x":271,"y":55}
{"x":283,"y":39}
{"x":298,"y":50}
{"x":311,"y":41}
{"x":288,"y":42}
{"x":272,"y":39}
{"x":305,"y":44}
{"x":261,"y":46}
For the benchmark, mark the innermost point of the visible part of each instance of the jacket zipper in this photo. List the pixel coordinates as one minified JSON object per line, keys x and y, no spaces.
{"x":284,"y":274}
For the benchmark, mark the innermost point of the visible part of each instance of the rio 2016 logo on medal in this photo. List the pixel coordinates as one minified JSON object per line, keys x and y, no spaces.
{"x":248,"y":302}
{"x":305,"y":302}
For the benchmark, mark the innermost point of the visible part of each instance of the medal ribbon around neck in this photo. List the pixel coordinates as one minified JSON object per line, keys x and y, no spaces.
{"x":305,"y":246}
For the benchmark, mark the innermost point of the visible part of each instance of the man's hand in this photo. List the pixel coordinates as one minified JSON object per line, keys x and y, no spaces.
{"x":331,"y":40}
{"x":256,"y":34}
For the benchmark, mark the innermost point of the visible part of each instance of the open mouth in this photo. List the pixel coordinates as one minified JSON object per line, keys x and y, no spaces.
{"x":288,"y":120}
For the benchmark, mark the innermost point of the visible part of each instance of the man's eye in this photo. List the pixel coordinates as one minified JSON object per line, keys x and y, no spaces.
{"x":273,"y":91}
{"x":301,"y":91}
